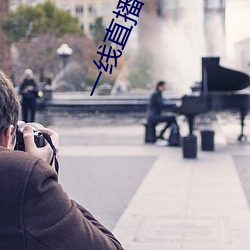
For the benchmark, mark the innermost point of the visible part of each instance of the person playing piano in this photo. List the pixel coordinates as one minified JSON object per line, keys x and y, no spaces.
{"x":155,"y":107}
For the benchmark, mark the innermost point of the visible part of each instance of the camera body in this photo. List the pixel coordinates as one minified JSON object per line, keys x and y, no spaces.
{"x":38,"y":137}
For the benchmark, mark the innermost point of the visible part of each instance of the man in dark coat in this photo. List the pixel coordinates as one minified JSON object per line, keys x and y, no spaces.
{"x":155,"y":107}
{"x":35,"y":212}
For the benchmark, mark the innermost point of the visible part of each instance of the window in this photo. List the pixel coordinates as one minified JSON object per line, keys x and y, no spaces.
{"x":92,"y":10}
{"x":79,"y":10}
{"x":82,"y":26}
{"x":91,"y":27}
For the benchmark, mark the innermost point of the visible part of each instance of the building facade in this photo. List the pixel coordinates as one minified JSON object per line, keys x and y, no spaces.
{"x":15,"y":3}
{"x":87,"y":11}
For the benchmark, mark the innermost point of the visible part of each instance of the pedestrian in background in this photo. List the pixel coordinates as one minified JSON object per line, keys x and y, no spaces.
{"x":29,"y":92}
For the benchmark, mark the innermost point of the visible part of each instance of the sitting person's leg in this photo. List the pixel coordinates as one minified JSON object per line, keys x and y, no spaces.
{"x":169,"y":121}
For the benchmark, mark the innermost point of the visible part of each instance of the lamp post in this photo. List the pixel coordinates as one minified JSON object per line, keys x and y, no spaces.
{"x":64,"y":51}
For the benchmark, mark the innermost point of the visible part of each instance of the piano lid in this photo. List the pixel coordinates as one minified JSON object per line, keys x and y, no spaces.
{"x":218,"y":78}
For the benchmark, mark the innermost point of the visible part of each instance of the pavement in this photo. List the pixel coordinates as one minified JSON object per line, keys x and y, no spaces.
{"x":153,"y":198}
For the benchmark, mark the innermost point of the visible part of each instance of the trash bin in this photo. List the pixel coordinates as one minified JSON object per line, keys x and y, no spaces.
{"x":189,"y":146}
{"x":207,"y":140}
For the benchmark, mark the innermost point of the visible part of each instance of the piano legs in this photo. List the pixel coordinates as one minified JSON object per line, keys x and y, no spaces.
{"x":190,"y":123}
{"x":243,"y":114}
{"x":241,"y":137}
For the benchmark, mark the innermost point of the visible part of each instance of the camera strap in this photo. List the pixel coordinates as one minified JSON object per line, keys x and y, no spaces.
{"x":48,"y":139}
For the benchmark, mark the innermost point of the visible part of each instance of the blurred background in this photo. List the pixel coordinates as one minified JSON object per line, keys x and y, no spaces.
{"x":59,"y":40}
{"x":168,"y":42}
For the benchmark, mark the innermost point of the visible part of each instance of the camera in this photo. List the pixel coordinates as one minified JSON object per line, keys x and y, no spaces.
{"x":38,"y":137}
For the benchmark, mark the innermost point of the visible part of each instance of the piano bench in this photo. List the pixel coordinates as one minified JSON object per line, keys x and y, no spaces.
{"x":150,"y":132}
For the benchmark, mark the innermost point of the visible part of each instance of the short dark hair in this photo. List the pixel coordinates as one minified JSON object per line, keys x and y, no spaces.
{"x":159,"y":84}
{"x":9,"y":104}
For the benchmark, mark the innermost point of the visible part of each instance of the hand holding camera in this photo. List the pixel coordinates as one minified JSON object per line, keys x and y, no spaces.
{"x":38,"y":137}
{"x":41,"y":142}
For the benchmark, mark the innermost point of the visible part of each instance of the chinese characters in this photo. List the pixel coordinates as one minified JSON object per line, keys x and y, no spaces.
{"x":117,"y":34}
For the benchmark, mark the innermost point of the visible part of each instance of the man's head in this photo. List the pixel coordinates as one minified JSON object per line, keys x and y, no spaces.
{"x":9,"y":112}
{"x":161,"y":86}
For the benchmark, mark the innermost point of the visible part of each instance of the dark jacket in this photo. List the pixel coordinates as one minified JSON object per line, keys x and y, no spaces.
{"x":32,"y":93}
{"x":155,"y":104}
{"x":36,"y":214}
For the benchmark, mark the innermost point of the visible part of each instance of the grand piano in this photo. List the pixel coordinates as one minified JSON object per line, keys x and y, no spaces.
{"x":220,"y":89}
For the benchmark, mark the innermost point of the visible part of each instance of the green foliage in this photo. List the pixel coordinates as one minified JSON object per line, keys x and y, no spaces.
{"x":140,"y":76}
{"x":42,"y":18}
{"x":99,"y":31}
